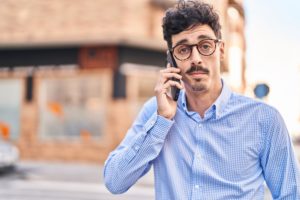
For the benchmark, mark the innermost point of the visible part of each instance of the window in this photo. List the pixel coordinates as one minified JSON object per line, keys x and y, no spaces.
{"x":10,"y":102}
{"x":73,"y":106}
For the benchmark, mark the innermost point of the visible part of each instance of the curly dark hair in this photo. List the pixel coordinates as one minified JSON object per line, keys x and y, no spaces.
{"x":187,"y":14}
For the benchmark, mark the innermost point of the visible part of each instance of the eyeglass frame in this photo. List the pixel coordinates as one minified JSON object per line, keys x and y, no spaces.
{"x":191,"y":47}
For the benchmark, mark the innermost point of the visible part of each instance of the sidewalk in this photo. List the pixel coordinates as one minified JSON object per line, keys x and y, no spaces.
{"x":43,"y":180}
{"x":70,"y":172}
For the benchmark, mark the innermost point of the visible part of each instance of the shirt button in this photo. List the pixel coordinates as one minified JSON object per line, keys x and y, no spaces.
{"x":196,"y":186}
{"x":136,"y":147}
{"x":152,"y":123}
{"x":200,"y":125}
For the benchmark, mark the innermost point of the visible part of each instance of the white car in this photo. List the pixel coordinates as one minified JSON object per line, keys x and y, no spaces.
{"x":9,"y":154}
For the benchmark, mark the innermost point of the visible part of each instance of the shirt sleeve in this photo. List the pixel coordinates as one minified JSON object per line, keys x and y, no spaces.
{"x":141,"y":145}
{"x":278,"y":160}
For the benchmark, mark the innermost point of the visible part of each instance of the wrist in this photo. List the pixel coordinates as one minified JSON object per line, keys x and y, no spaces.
{"x":165,"y":115}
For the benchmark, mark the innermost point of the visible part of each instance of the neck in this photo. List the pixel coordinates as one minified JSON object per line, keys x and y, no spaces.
{"x":201,"y":101}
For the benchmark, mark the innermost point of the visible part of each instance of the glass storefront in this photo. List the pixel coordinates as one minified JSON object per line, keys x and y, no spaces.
{"x":72,"y":107}
{"x":10,"y":102}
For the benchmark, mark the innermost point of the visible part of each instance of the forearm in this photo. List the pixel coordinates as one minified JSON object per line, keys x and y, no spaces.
{"x":132,"y":159}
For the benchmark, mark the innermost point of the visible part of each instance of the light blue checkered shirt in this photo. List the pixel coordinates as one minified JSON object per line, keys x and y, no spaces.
{"x":228,"y":154}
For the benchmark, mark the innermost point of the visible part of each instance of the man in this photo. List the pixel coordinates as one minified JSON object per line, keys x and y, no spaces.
{"x":212,"y":143}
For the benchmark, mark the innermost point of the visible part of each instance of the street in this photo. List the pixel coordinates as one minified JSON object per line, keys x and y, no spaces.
{"x":63,"y":181}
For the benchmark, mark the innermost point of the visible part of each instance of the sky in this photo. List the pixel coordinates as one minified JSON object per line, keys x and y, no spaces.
{"x":273,"y":52}
{"x":273,"y":32}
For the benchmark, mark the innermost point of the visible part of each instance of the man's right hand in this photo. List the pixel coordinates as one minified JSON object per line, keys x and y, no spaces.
{"x":166,"y":106}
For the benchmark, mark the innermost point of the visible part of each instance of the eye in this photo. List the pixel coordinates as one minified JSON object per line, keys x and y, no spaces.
{"x":183,"y":49}
{"x":206,"y":46}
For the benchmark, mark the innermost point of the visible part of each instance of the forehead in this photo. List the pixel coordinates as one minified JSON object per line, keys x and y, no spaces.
{"x":192,"y":35}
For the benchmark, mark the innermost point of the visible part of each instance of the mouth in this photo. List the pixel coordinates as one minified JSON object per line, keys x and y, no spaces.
{"x":197,"y":73}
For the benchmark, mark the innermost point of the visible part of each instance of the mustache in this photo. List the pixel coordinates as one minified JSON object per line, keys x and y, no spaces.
{"x":197,"y":68}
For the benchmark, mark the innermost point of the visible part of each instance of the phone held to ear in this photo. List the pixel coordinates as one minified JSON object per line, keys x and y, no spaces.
{"x":174,"y":90}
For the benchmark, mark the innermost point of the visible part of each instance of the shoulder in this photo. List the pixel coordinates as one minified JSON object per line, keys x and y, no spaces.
{"x":248,"y":102}
{"x":260,"y":115}
{"x":258,"y":109}
{"x":261,"y":120}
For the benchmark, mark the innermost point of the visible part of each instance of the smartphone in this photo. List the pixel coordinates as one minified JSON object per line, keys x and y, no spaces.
{"x":174,"y":90}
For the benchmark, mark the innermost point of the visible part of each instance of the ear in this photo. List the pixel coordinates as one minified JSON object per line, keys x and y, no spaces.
{"x":222,"y":51}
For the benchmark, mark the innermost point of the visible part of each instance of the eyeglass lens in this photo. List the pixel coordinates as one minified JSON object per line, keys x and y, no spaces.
{"x":205,"y":47}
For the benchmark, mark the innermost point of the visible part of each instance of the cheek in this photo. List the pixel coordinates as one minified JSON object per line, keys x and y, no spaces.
{"x":214,"y":63}
{"x":183,"y":66}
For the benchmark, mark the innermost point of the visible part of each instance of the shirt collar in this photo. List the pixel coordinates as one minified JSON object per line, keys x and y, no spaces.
{"x":218,"y":106}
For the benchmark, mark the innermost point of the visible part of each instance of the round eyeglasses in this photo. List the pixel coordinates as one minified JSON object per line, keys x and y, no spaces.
{"x":205,"y":47}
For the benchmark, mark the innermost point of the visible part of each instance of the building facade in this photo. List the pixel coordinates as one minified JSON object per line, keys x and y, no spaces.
{"x":74,"y":74}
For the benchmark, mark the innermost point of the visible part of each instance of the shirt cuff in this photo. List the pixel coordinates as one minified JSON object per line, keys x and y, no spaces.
{"x":158,"y":126}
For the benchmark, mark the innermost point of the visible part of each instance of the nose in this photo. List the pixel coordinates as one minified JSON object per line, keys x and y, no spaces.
{"x":196,"y":57}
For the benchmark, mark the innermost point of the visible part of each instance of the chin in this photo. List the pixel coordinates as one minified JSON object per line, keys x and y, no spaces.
{"x":200,"y":87}
{"x":196,"y":85}
{"x":199,"y":84}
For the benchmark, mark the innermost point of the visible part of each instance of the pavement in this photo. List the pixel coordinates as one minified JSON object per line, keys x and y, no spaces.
{"x":41,"y":180}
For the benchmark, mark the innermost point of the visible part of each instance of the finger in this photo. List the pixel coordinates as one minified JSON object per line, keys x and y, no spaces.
{"x":171,"y":83}
{"x":164,"y":88}
{"x":169,"y":74}
{"x":161,"y":89}
{"x":170,"y":66}
{"x":164,"y":77}
{"x":172,"y":75}
{"x":170,"y":69}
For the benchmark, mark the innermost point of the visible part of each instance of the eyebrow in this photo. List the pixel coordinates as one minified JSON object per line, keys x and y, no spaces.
{"x":205,"y":37}
{"x":184,"y":41}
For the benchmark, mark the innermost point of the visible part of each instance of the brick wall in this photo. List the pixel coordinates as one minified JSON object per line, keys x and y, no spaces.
{"x":36,"y":22}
